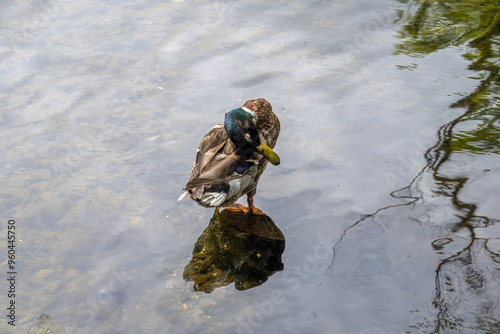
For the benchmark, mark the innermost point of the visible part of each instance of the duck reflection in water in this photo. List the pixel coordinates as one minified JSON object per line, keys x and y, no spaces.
{"x":236,"y":247}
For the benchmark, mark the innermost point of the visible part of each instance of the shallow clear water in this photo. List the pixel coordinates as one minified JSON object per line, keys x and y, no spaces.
{"x":386,"y":193}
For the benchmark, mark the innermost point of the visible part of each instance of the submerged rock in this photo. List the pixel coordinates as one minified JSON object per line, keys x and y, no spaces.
{"x":45,"y":325}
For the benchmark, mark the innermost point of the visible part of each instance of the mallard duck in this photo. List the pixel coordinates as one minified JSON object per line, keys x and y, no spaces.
{"x":232,"y":156}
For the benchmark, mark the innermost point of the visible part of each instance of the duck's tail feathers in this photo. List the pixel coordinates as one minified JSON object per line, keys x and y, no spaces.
{"x":184,"y":195}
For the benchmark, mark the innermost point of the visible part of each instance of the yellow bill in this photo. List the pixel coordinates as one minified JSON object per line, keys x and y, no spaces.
{"x":268,"y":153}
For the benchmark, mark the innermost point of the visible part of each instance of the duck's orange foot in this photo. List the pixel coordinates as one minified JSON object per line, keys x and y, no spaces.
{"x":251,"y":210}
{"x":236,"y":207}
{"x":254,"y":211}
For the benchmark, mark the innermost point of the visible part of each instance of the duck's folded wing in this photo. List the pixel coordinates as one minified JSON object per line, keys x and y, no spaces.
{"x":215,"y":160}
{"x":208,"y":147}
{"x":220,"y":169}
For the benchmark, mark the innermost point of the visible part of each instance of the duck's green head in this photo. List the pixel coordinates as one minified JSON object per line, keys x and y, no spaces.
{"x":241,"y":129}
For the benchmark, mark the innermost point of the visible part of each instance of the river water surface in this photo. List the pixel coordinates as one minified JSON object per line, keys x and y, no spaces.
{"x":387,"y":192}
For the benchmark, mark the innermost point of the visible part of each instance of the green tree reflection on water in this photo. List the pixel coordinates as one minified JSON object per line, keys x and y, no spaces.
{"x":467,"y":281}
{"x":429,"y":26}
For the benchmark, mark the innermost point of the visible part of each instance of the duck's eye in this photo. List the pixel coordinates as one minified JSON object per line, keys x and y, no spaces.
{"x":252,"y":137}
{"x":248,"y":138}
